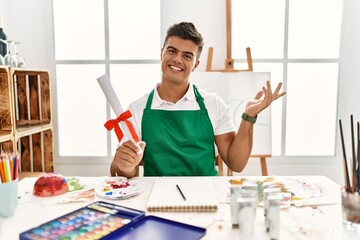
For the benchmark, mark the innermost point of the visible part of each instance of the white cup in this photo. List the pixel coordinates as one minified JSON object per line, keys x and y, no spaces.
{"x":350,"y":204}
{"x":9,"y":198}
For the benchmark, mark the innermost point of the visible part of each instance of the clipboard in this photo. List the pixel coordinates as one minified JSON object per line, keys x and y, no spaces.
{"x":107,"y":221}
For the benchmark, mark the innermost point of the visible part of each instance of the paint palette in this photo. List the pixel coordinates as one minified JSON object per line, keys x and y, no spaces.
{"x":107,"y":221}
{"x":94,"y":221}
{"x":118,"y":188}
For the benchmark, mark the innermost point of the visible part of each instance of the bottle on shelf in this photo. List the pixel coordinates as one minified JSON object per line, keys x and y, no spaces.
{"x":3,"y":46}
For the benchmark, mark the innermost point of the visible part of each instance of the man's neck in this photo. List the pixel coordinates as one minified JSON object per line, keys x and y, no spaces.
{"x":172,"y":92}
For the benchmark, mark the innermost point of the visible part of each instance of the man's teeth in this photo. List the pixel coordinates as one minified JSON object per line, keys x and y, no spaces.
{"x":176,"y":68}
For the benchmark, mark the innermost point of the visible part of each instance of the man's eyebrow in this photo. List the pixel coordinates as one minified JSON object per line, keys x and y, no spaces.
{"x":171,"y":47}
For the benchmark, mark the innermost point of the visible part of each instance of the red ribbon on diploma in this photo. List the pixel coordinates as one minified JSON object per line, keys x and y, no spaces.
{"x":114,"y":123}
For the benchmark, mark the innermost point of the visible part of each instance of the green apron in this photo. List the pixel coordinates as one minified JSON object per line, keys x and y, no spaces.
{"x":178,"y":143}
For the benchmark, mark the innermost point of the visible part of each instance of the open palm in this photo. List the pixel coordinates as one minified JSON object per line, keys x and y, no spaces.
{"x":263,"y":99}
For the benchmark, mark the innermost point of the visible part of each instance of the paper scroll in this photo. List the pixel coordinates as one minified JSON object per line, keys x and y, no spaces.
{"x":122,"y":117}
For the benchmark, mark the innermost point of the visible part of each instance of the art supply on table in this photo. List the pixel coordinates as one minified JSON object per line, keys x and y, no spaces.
{"x":272,"y":220}
{"x":240,"y":191}
{"x":9,"y":166}
{"x":103,"y":220}
{"x":9,"y":172}
{"x":354,"y":173}
{"x":347,"y":178}
{"x":352,"y":185}
{"x":350,"y":194}
{"x":297,"y":192}
{"x":8,"y":198}
{"x":252,"y":187}
{"x":235,"y":194}
{"x":246,"y":215}
{"x":122,"y":116}
{"x":200,"y":196}
{"x":50,"y":185}
{"x":117,"y":188}
{"x":350,"y":205}
{"x":268,"y":192}
{"x":358,"y":155}
{"x":182,"y":194}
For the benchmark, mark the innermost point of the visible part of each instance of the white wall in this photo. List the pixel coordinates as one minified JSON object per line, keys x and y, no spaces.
{"x":209,"y":20}
{"x":31,"y":25}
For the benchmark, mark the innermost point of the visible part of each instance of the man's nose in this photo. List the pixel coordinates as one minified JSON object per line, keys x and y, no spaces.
{"x":177,"y":58}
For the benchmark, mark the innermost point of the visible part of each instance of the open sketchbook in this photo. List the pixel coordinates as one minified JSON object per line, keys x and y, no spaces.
{"x":199,"y":195}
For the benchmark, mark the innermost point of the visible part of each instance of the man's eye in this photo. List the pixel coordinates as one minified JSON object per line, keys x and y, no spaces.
{"x":171,"y":51}
{"x":188,"y":56}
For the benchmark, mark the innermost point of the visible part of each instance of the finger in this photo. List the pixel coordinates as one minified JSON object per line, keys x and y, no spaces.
{"x":129,"y":148}
{"x":131,"y":145}
{"x":125,"y":154}
{"x":259,"y":95}
{"x":125,"y":162}
{"x":269,"y":86}
{"x":267,"y":97}
{"x":277,"y":90}
{"x":142,"y":144}
{"x":280,"y":95}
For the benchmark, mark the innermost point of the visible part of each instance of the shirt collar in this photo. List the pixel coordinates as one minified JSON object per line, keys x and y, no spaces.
{"x":157,"y":101}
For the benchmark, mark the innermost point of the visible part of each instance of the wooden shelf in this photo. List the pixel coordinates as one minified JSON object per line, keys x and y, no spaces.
{"x":6,"y":144}
{"x":6,"y":137}
{"x":36,"y":152}
{"x":26,"y":131}
{"x":26,"y":117}
{"x":6,"y":121}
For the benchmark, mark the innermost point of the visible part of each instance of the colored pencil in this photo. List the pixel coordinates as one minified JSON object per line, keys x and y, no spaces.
{"x":2,"y":174}
{"x":11,"y":168}
{"x":347,"y":180}
{"x":6,"y":170}
{"x":2,"y":179}
{"x":16,"y":168}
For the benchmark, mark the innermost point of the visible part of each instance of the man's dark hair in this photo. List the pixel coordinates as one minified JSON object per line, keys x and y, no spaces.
{"x":187,"y":31}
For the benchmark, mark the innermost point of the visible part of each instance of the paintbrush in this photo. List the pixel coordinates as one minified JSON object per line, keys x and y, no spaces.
{"x":358,"y":155}
{"x":354,"y":173}
{"x":347,"y":180}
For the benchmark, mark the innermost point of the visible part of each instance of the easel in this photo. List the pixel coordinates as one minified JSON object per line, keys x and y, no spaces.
{"x":229,"y":62}
{"x":229,"y":67}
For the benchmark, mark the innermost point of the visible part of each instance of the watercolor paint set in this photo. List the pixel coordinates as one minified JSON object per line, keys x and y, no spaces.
{"x":103,"y":220}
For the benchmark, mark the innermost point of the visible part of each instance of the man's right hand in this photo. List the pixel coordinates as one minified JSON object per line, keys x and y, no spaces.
{"x":127,"y":159}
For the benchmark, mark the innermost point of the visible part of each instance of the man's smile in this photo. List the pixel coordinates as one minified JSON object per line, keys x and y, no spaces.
{"x":176,"y":68}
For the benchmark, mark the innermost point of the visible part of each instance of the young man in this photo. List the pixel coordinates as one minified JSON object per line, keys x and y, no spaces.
{"x":178,"y":123}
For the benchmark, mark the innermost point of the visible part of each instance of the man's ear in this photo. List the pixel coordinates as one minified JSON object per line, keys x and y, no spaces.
{"x":196,"y":64}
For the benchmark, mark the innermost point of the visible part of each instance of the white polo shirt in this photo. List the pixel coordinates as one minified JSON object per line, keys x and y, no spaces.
{"x":219,"y":113}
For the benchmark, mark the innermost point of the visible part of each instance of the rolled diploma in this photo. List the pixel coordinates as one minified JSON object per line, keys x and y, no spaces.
{"x":115,"y":104}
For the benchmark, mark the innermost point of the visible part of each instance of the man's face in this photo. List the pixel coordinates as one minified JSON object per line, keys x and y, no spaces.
{"x":178,"y":59}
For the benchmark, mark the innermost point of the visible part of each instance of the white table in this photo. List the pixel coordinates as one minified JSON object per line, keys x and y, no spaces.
{"x":310,"y":222}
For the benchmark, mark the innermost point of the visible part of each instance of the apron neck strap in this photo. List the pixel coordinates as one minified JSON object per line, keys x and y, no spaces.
{"x":149,"y":100}
{"x":198,"y":96}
